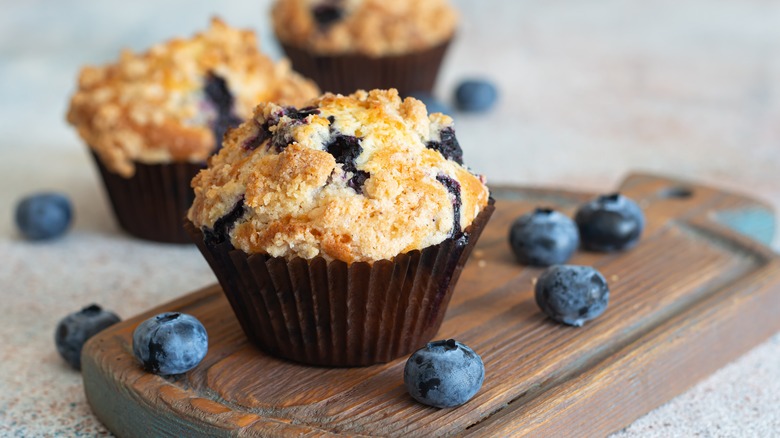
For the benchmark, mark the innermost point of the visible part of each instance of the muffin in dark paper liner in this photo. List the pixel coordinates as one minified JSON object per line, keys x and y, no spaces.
{"x":338,"y":230}
{"x":408,"y":73}
{"x":348,"y":45}
{"x":151,"y":203}
{"x":152,"y":119}
{"x":338,"y":314}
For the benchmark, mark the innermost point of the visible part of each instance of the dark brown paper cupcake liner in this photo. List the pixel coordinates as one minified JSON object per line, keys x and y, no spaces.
{"x":409,"y":73}
{"x":338,"y":314}
{"x":153,"y":202}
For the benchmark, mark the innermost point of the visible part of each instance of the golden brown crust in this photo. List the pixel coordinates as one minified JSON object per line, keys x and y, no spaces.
{"x":151,"y":107}
{"x":296,"y":173}
{"x":369,"y":27}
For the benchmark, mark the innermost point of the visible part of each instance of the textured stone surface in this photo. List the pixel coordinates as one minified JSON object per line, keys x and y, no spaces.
{"x":588,"y":91}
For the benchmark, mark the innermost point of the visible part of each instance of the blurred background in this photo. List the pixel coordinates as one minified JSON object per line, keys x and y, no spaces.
{"x":589,"y":91}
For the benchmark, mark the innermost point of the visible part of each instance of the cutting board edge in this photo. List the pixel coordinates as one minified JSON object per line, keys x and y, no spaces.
{"x":271,"y":426}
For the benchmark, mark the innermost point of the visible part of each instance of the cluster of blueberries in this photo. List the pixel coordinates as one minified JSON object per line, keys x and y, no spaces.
{"x":572,"y":294}
{"x":447,"y":373}
{"x":441,"y":374}
{"x":444,"y":373}
{"x":167,"y":344}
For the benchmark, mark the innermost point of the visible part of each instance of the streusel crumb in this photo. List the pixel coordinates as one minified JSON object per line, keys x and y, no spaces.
{"x":368,"y":27}
{"x":363,"y":177}
{"x":174,"y":102}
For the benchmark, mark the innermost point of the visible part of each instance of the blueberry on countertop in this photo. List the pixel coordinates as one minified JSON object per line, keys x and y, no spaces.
{"x":43,"y":216}
{"x":543,"y":237}
{"x":572,"y":294}
{"x":475,"y":95}
{"x":170,"y":343}
{"x":432,"y":104}
{"x":74,"y":330}
{"x":610,"y":223}
{"x":444,"y":374}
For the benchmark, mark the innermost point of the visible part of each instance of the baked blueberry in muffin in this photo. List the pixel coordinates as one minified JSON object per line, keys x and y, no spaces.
{"x":152,"y":119}
{"x":345,"y":45}
{"x":354,"y":178}
{"x":174,"y":101}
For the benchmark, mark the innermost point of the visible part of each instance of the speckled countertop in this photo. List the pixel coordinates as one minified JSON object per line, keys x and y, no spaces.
{"x":590,"y":90}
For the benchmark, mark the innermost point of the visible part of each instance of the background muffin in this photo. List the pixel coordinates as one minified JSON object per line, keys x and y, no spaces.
{"x":347,"y":45}
{"x":162,"y":113}
{"x":364,"y":191}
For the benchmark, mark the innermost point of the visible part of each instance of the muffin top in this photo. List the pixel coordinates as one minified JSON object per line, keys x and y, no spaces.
{"x":363,"y":177}
{"x":368,"y":27}
{"x":174,"y":102}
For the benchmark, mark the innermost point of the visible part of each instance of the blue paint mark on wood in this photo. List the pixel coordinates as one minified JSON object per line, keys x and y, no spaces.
{"x":756,"y":223}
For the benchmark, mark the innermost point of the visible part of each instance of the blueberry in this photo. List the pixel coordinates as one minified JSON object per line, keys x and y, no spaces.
{"x":74,"y":330}
{"x":43,"y":216}
{"x":220,"y":233}
{"x":326,"y":14}
{"x":346,"y":149}
{"x":610,"y":223}
{"x":447,"y":145}
{"x":572,"y":294}
{"x":432,"y":104}
{"x":543,"y":237}
{"x":475,"y":95}
{"x":170,"y":343}
{"x":218,"y":93}
{"x":453,"y":187}
{"x":444,"y":374}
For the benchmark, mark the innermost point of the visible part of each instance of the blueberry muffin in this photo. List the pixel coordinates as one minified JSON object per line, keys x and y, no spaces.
{"x":345,"y":45}
{"x":353,"y":211}
{"x":152,"y":119}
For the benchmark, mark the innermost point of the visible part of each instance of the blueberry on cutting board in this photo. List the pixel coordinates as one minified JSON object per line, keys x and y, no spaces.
{"x":475,"y":95}
{"x":543,"y":237}
{"x":74,"y":330}
{"x":572,"y":294}
{"x":170,"y":343}
{"x":43,"y":216}
{"x":610,"y":223}
{"x":444,"y":374}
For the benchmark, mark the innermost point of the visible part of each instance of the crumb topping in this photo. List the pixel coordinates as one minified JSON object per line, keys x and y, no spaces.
{"x":369,"y":27}
{"x":352,"y":178}
{"x":174,"y":101}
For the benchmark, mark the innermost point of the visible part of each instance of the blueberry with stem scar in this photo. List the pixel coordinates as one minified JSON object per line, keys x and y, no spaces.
{"x":543,"y":237}
{"x":572,"y":294}
{"x":74,"y":331}
{"x":444,"y":374}
{"x":170,"y":343}
{"x":610,"y":223}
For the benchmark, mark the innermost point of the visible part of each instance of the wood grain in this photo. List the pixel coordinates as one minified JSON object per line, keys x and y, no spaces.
{"x":692,"y":296}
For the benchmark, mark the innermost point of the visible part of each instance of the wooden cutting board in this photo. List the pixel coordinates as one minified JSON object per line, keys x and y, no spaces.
{"x":694,"y":294}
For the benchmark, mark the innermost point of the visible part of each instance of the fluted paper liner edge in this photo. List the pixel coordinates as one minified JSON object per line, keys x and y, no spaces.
{"x":152,"y":203}
{"x":338,"y":314}
{"x":408,"y":73}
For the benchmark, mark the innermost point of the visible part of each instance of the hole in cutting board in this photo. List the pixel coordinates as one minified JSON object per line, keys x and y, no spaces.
{"x":676,"y":192}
